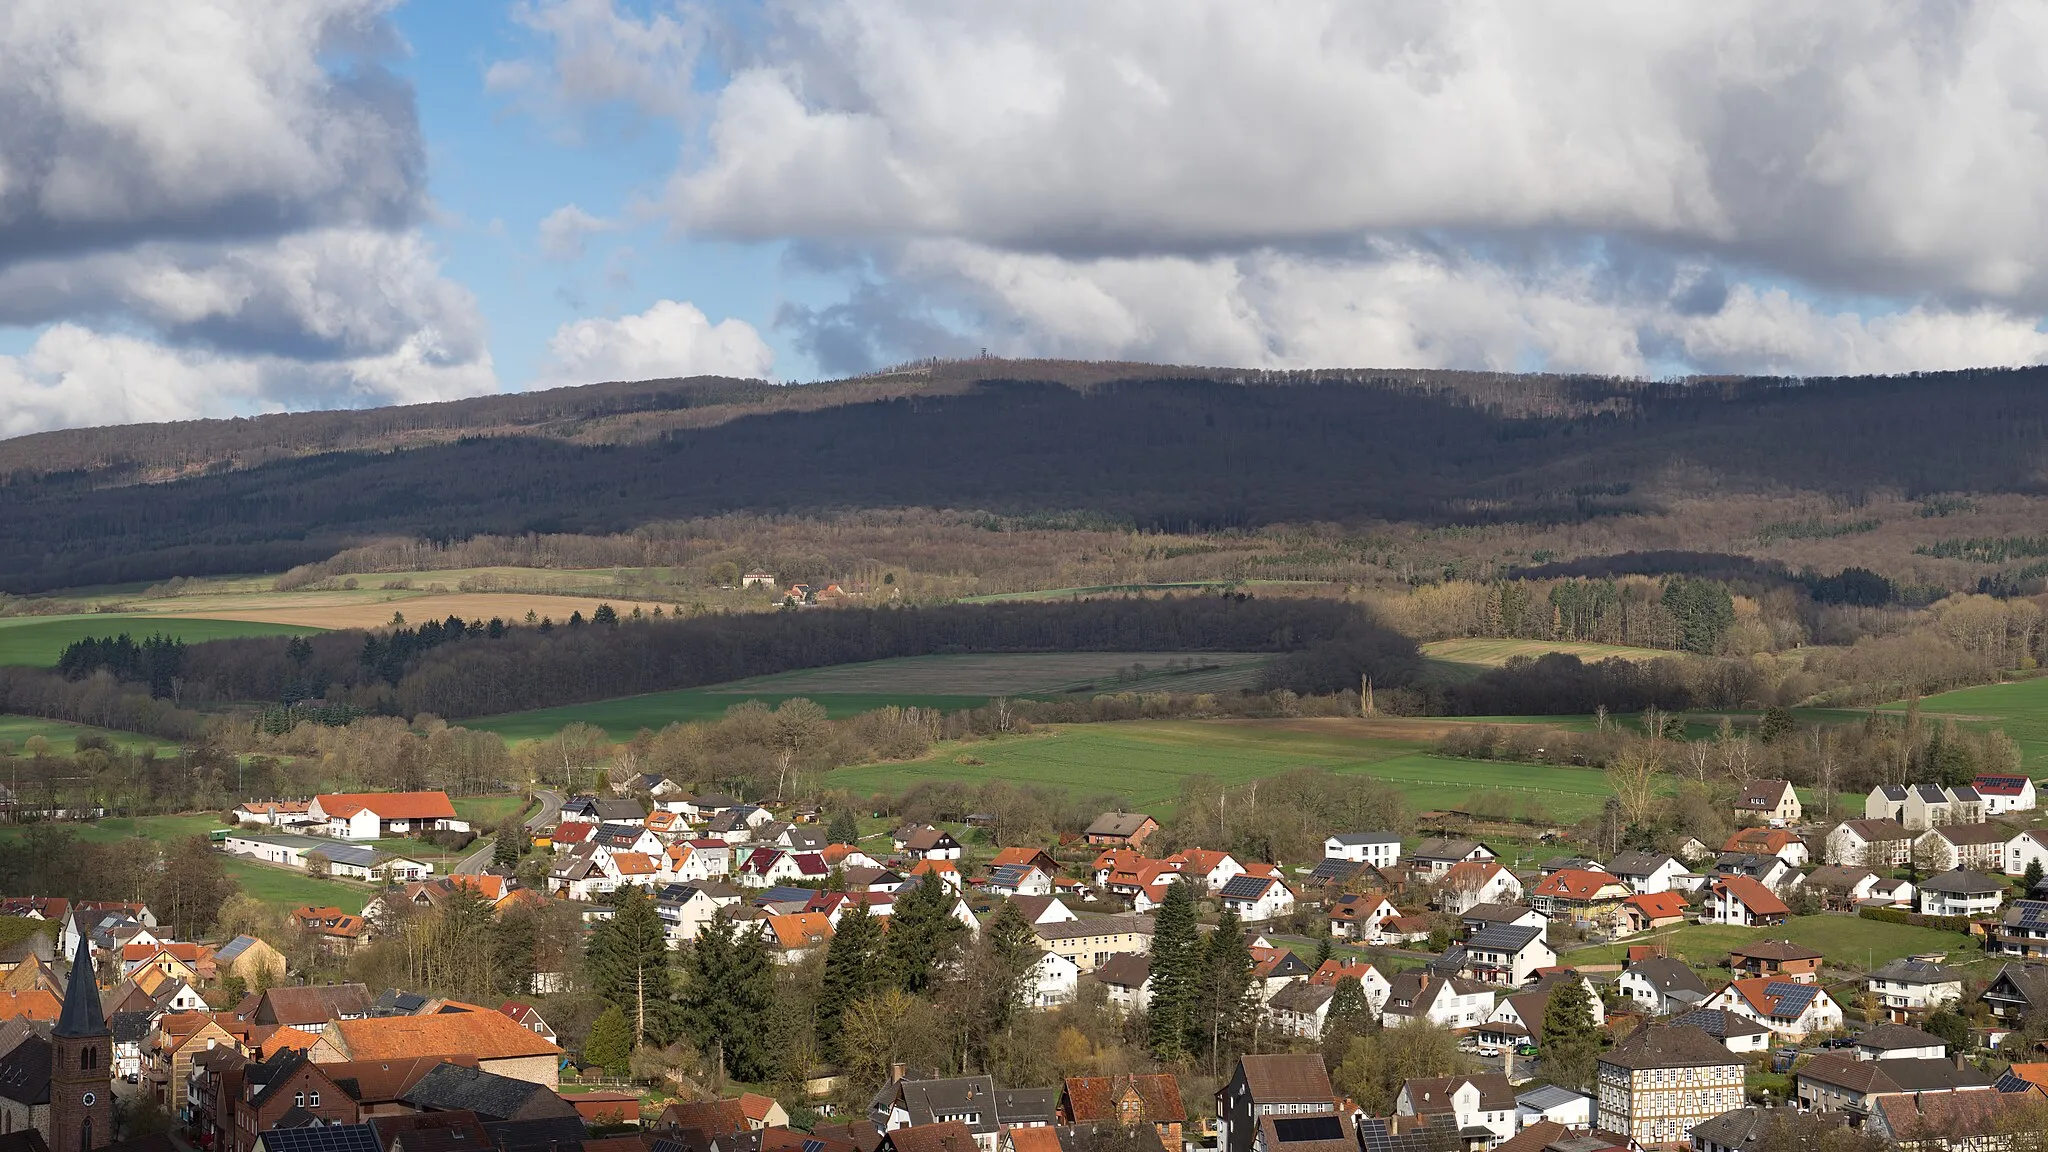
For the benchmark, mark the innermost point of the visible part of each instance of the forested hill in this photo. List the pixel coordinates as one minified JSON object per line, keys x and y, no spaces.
{"x":1179,"y":452}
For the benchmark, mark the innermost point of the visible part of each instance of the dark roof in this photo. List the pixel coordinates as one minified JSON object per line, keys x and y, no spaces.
{"x":1322,"y":1132}
{"x":81,"y":1015}
{"x":1335,"y":870}
{"x":1302,"y":997}
{"x":1962,"y":882}
{"x":1246,"y":887}
{"x":1908,"y":971}
{"x":452,"y":1087}
{"x":128,"y":1027}
{"x":1669,"y":1046}
{"x":25,"y":1072}
{"x":1496,"y":912}
{"x":321,"y":1138}
{"x":1118,"y":824}
{"x":1430,"y":1095}
{"x":2029,"y":982}
{"x":271,"y":1074}
{"x":312,"y":1005}
{"x":1667,"y":975}
{"x":1441,"y":848}
{"x":28,"y":1140}
{"x":1510,"y":938}
{"x":1638,"y":863}
{"x":1744,"y":1126}
{"x":1892,"y":1037}
{"x":1282,"y":1078}
{"x":549,"y":1134}
{"x":1867,"y":1077}
{"x":1094,"y":926}
{"x":1779,"y":950}
{"x":1127,"y":969}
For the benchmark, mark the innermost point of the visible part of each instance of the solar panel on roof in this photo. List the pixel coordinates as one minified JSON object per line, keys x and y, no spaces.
{"x":2032,"y":912}
{"x":1792,"y":998}
{"x":322,"y":1138}
{"x":1294,"y":1129}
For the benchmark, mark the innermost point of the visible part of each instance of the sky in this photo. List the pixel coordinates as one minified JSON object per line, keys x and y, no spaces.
{"x":224,"y":207}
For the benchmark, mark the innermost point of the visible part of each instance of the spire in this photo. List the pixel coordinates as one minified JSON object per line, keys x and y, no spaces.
{"x":81,"y":1015}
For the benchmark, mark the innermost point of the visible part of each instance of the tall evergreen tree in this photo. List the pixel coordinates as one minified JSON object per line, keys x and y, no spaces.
{"x":844,"y":829}
{"x":511,"y":843}
{"x":1570,"y":1040}
{"x":627,"y":961}
{"x":1008,"y":950}
{"x":923,"y":936}
{"x":1228,"y":1006}
{"x":855,"y":968}
{"x":610,"y":1045}
{"x":1325,"y":948}
{"x":728,"y":991}
{"x":1176,"y":961}
{"x":1350,"y":1015}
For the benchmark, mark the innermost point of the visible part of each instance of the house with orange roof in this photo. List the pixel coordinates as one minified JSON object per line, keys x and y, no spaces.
{"x":1038,"y":858}
{"x":1741,"y":900}
{"x":569,"y":833}
{"x":275,"y":813}
{"x":36,"y":1004}
{"x":1581,"y":895}
{"x":498,"y":1043}
{"x":793,"y":935}
{"x":1210,"y":869}
{"x":1334,"y":972}
{"x":1647,"y":910}
{"x":174,"y":958}
{"x":664,"y":823}
{"x":179,"y":1038}
{"x":374,"y":815}
{"x":1789,"y":1009}
{"x":947,"y":872}
{"x":1353,"y":916}
{"x":338,"y":932}
{"x":1118,"y":861}
{"x":681,"y":864}
{"x":1780,"y":842}
{"x":633,"y":868}
{"x":848,"y":856}
{"x":1473,"y":882}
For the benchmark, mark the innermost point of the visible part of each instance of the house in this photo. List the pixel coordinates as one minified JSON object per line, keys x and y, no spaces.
{"x":2027,"y":848}
{"x":972,"y":1102}
{"x":1484,"y":1101}
{"x":1843,"y":886}
{"x":492,"y":1097}
{"x":1354,"y":917}
{"x":1474,"y":882}
{"x":1879,"y":844}
{"x":1741,"y":900}
{"x":338,"y":932}
{"x":1121,"y":830}
{"x":713,"y":854}
{"x":1401,"y":930}
{"x":601,"y":810}
{"x":1908,"y":988}
{"x":1661,"y":1080}
{"x":2021,"y":931}
{"x":1950,"y":1121}
{"x":375,"y":815}
{"x":1051,"y":979}
{"x":570,"y":833}
{"x":253,"y":961}
{"x":1375,"y":986}
{"x":924,"y":842}
{"x":1899,"y":1042}
{"x":1833,"y":1082}
{"x":1275,"y":968}
{"x":1551,"y":1104}
{"x":1038,"y":858}
{"x":1446,"y":1001}
{"x":324,"y":856}
{"x":1435,"y":856}
{"x":1782,"y":843}
{"x":1771,"y":801}
{"x":1018,"y":880}
{"x":1647,"y":910}
{"x":1127,"y":977}
{"x":1960,"y":893}
{"x":1127,"y":1102}
{"x":1581,"y":895}
{"x":1770,"y":871}
{"x":1257,"y":898}
{"x":499,"y":1044}
{"x":1268,"y":1086}
{"x":1922,"y":806}
{"x":1788,"y":1008}
{"x":2002,"y":794}
{"x":1505,"y":954}
{"x":1780,"y":958}
{"x":1207,"y":869}
{"x":275,"y":813}
{"x":736,"y":824}
{"x":945,"y":871}
{"x":1978,"y":847}
{"x":1299,"y":1008}
{"x":2017,"y":992}
{"x":1646,"y":872}
{"x":1092,"y":941}
{"x":1379,"y":849}
{"x":769,"y":867}
{"x":1661,"y":986}
{"x":1735,"y":1032}
{"x":623,"y":837}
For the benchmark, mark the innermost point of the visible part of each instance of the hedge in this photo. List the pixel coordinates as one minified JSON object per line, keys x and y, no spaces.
{"x":1901,"y":916}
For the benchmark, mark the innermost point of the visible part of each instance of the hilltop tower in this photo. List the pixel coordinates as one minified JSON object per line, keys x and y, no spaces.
{"x":81,"y":1064}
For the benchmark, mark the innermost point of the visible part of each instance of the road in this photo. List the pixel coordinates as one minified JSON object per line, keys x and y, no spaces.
{"x":544,"y":816}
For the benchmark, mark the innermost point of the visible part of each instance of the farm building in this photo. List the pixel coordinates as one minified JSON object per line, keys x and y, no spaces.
{"x":354,"y":861}
{"x":373,"y":815}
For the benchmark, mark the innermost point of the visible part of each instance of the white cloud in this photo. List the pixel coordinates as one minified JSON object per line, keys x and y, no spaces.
{"x":672,"y":338}
{"x":565,"y":232}
{"x":73,"y":376}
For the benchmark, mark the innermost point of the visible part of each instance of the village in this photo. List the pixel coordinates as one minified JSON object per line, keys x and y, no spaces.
{"x":1443,"y":935}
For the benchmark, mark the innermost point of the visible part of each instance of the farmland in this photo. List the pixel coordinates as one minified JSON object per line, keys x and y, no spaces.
{"x":39,"y":640}
{"x":2019,"y":707}
{"x":263,"y":881}
{"x":1463,"y":659}
{"x":1143,"y":763}
{"x":1848,"y":941}
{"x":15,"y":732}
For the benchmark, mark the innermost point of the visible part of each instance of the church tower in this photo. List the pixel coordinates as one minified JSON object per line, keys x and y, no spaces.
{"x":81,"y":1065}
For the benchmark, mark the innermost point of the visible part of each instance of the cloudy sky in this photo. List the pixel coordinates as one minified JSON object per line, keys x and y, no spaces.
{"x":215,"y":207}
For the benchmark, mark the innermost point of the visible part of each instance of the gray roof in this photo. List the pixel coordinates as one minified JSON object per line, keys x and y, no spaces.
{"x":452,"y":1087}
{"x":1498,"y":913}
{"x":1907,"y":971}
{"x":1742,"y":1127}
{"x":1118,"y":824}
{"x":1893,"y":1037}
{"x":1356,"y":839}
{"x":81,"y":1014}
{"x":1442,"y":848}
{"x":1510,"y":938}
{"x":1638,"y":863}
{"x":1093,"y":926}
{"x":1667,"y":975}
{"x":337,"y":851}
{"x":232,"y":949}
{"x":1962,"y":882}
{"x":1720,"y":1025}
{"x":1547,"y":1097}
{"x":1246,"y":887}
{"x":1669,"y":1046}
{"x":321,"y":1138}
{"x":1303,"y":997}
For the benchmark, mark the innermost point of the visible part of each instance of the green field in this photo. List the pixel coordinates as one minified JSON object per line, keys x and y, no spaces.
{"x":1460,"y":660}
{"x":622,"y":717}
{"x":1848,"y":941}
{"x":2020,"y":708}
{"x":38,"y":640}
{"x":1143,"y":763}
{"x":63,"y":738}
{"x":486,"y":812}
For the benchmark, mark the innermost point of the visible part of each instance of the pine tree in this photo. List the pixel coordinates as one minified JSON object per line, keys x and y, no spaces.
{"x":610,"y":1045}
{"x":728,"y":990}
{"x":923,"y":936}
{"x":1325,"y":949}
{"x":1570,"y":1039}
{"x":855,"y":968}
{"x":845,"y":828}
{"x":2032,"y":879}
{"x":1176,"y":956}
{"x":1009,"y":951}
{"x":1350,"y":1015}
{"x":511,"y":844}
{"x":1228,"y":1004}
{"x":628,"y":965}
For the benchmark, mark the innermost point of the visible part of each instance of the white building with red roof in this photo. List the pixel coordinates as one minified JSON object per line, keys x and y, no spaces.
{"x":374,"y":815}
{"x":2005,"y":793}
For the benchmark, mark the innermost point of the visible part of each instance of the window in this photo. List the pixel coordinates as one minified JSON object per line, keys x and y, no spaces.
{"x":313,"y":1101}
{"x":299,"y":1099}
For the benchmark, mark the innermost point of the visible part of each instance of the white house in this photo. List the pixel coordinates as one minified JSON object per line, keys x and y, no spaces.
{"x":1844,"y":885}
{"x":1741,"y":900}
{"x":1300,"y":1008}
{"x":1354,"y":916}
{"x":1518,"y":1018}
{"x":1899,"y":1042}
{"x":1379,"y":849}
{"x":1661,"y":985}
{"x":2005,"y":793}
{"x":1256,"y":898}
{"x":1788,"y":1008}
{"x":1961,"y":893}
{"x":2029,"y":847}
{"x":1448,"y":1002}
{"x":1434,"y":857}
{"x":1505,"y":954}
{"x":1555,"y":1105}
{"x":1977,"y":847}
{"x":1872,"y":843}
{"x":1475,"y":882}
{"x":682,"y":864}
{"x":374,"y":815}
{"x":686,"y":908}
{"x":1018,"y":880}
{"x":1647,"y":872}
{"x":1908,"y":988}
{"x":1483,"y":1101}
{"x":1051,"y":980}
{"x":1210,"y":870}
{"x":1127,"y":977}
{"x":351,"y":861}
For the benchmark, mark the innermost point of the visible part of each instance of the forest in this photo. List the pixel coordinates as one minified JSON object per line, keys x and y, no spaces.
{"x":1196,"y":452}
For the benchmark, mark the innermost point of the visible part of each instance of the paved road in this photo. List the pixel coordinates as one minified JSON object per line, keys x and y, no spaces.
{"x":480,"y":859}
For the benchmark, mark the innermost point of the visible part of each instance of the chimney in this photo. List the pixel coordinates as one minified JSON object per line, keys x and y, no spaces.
{"x":898,"y":1071}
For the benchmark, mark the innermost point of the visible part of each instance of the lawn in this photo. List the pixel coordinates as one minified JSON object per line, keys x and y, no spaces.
{"x":266,"y":882}
{"x":2019,"y":707}
{"x":487,"y":812}
{"x":1143,"y":763}
{"x":1848,"y":941}
{"x":38,"y":641}
{"x":16,"y":730}
{"x":625,"y":715}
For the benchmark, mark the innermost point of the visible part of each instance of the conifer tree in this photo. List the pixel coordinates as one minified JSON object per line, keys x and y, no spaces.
{"x":845,"y":828}
{"x":1176,"y":959}
{"x":511,"y":844}
{"x":1228,"y":1005}
{"x":855,"y":968}
{"x":627,"y":961}
{"x":728,"y":991}
{"x":923,"y":936}
{"x":1571,"y":1040}
{"x":1350,"y":1015}
{"x":610,"y":1045}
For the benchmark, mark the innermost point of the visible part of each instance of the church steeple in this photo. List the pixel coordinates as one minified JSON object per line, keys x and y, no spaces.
{"x":81,"y":1016}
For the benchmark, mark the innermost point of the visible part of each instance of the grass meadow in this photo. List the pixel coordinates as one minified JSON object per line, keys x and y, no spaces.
{"x":1460,"y":660}
{"x":16,"y":730}
{"x":2019,"y":707}
{"x":37,"y":641}
{"x":1848,"y":941}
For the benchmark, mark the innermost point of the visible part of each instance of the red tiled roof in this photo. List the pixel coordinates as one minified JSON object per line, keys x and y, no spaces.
{"x":1657,"y":905}
{"x":1575,"y":884}
{"x":1754,"y":896}
{"x":573,"y":832}
{"x":1093,"y":1099}
{"x":484,"y":1035}
{"x":389,"y":805}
